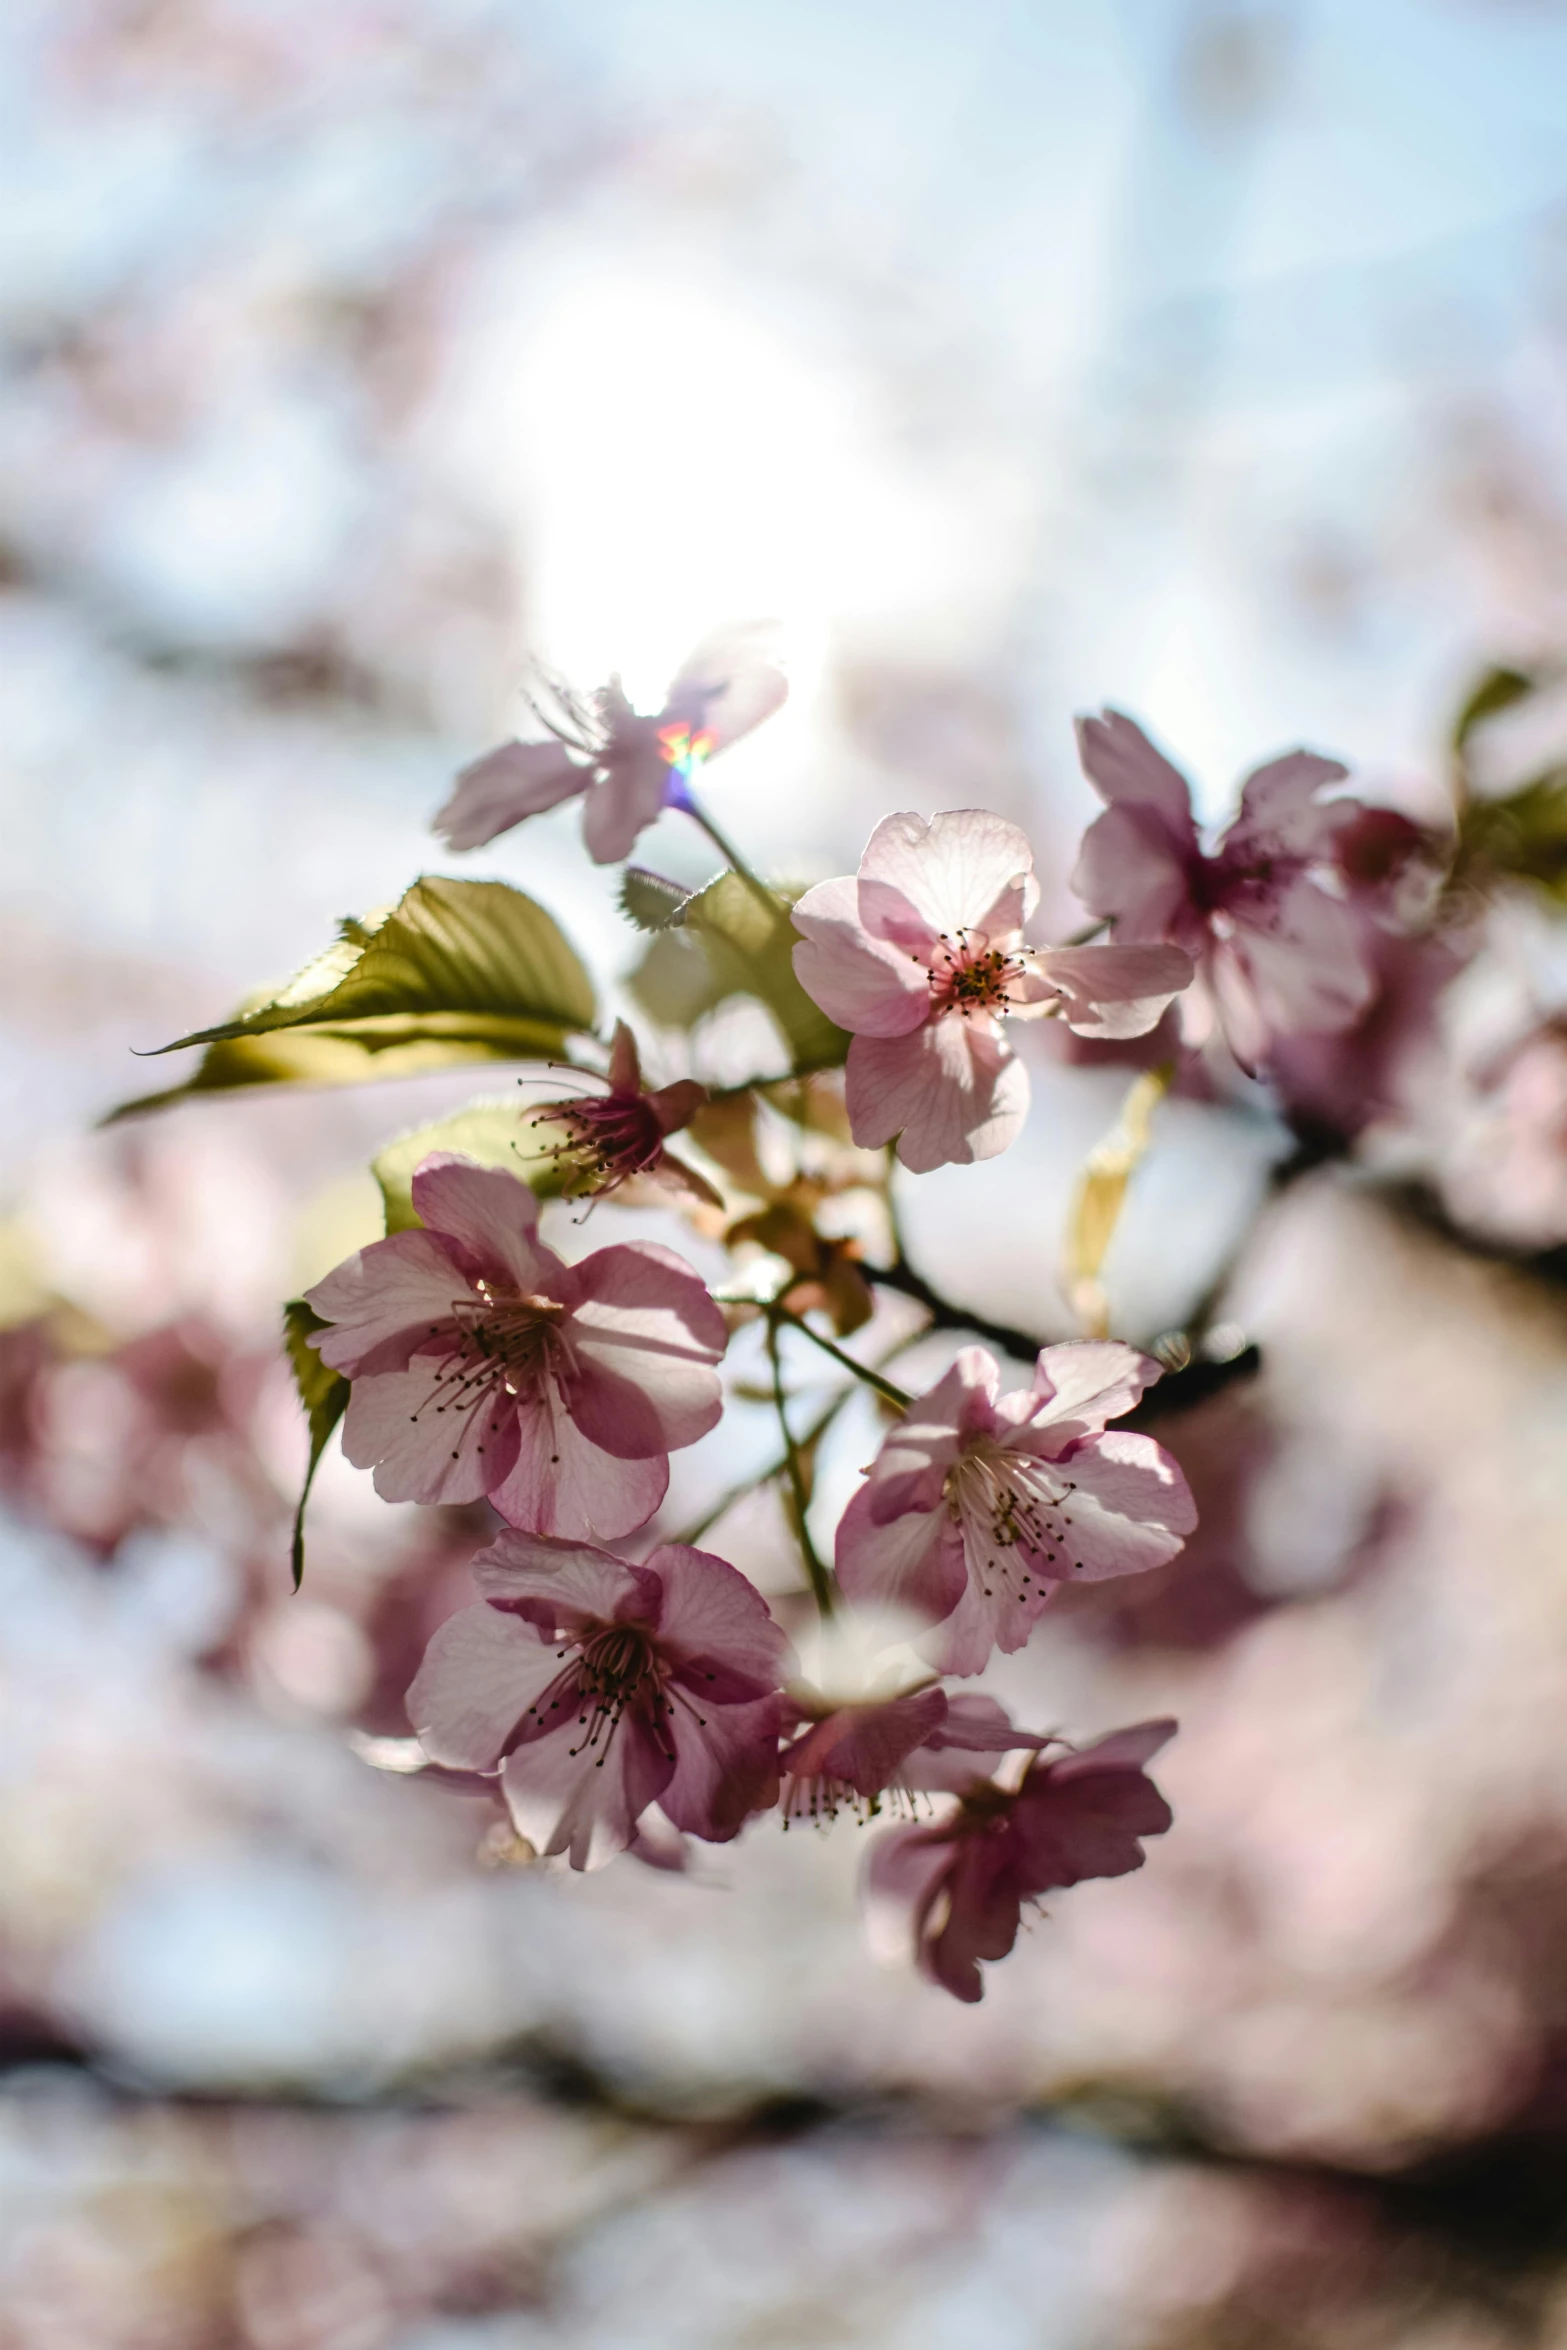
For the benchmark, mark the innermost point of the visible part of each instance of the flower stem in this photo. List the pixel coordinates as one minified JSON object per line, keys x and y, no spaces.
{"x":727,"y":850}
{"x":885,"y":1387}
{"x":821,"y":1580}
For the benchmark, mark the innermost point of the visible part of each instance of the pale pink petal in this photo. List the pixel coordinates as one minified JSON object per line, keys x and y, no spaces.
{"x":1125,"y":1749}
{"x":911,"y":1468}
{"x":1072,"y":1824}
{"x":1133,"y":871}
{"x":1129,"y":1507}
{"x":1281,"y":814}
{"x":914,"y":1562}
{"x":1124,"y":767}
{"x":674,"y":1106}
{"x":1115,"y":990}
{"x":951,"y":1093}
{"x":499,"y":790}
{"x":561,"y":1586}
{"x":385,"y":1301}
{"x":646,"y":1336}
{"x":983,"y":1913}
{"x":985,"y":1618}
{"x":976,"y":1737}
{"x":421,"y":1446}
{"x":863,"y":1745}
{"x":1306,"y":967}
{"x":1081,"y":1384}
{"x":726,"y":1766}
{"x":564,"y":1800}
{"x":965,"y":870}
{"x":488,"y":1212}
{"x":715,"y":1625}
{"x":481,"y":1673}
{"x":867,"y":986}
{"x":630,"y":787}
{"x":563,"y":1483}
{"x":729,"y":684}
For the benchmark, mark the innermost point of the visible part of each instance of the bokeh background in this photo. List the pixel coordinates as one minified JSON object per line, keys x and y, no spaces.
{"x":1210,"y":358}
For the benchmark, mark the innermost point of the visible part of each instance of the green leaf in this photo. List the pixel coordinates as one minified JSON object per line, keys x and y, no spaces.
{"x":1497,"y":690}
{"x":1522,"y":837}
{"x":650,"y":901}
{"x":735,"y":940}
{"x":497,"y":1133}
{"x":458,"y":971}
{"x":324,"y":1394}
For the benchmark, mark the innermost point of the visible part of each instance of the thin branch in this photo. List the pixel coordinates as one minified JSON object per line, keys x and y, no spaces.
{"x":727,"y":850}
{"x":885,"y":1387}
{"x":946,"y":1316}
{"x":821,"y":1580}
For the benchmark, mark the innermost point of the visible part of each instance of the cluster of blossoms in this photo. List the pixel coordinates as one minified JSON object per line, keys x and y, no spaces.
{"x":617,"y":1691}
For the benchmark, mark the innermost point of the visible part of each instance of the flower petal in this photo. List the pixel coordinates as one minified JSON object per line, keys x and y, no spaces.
{"x":967,"y":869}
{"x":729,"y":684}
{"x":1115,"y":990}
{"x":726,"y":1766}
{"x":564,"y":1484}
{"x":714,"y":1624}
{"x":562,"y":1586}
{"x":630,"y":788}
{"x":646,"y":1337}
{"x":910,"y":1470}
{"x":1081,"y":1384}
{"x":420,"y":1443}
{"x":499,"y":790}
{"x":866,"y":985}
{"x":584,"y":1801}
{"x":915,"y":1561}
{"x":1126,"y":770}
{"x":488,"y":1212}
{"x":385,"y":1301}
{"x":1136,"y":872}
{"x":951,"y":1093}
{"x":481,"y":1673}
{"x":863,"y":1745}
{"x":1281,"y":814}
{"x":1130,"y":1508}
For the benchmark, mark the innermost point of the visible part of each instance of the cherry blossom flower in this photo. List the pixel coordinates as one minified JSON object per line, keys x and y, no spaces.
{"x":979,"y":1504}
{"x":483,"y":1364}
{"x":617,"y":1135}
{"x":627,"y":767}
{"x":1278,"y":952}
{"x":597,"y":1688}
{"x":921,"y":955}
{"x":956,"y":1887}
{"x":850,"y":1756}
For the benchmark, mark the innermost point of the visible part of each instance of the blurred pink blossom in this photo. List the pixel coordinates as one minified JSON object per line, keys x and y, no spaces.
{"x":922,"y":956}
{"x":1278,"y":952}
{"x":597,"y":1688}
{"x":957,"y":1886}
{"x":980,"y":1504}
{"x":483,"y":1364}
{"x":628,"y":768}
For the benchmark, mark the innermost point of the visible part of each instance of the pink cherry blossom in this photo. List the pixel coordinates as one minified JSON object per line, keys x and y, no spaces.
{"x":597,"y":1688}
{"x":483,"y":1364}
{"x":979,"y":1504}
{"x":956,"y":1887}
{"x":922,"y":957}
{"x":614,"y":1136}
{"x":850,"y":1756}
{"x":627,"y":767}
{"x":1278,"y":952}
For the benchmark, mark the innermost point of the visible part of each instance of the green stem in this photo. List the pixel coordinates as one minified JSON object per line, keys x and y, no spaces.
{"x":821,"y":1581}
{"x":730,"y":854}
{"x":894,"y":1395}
